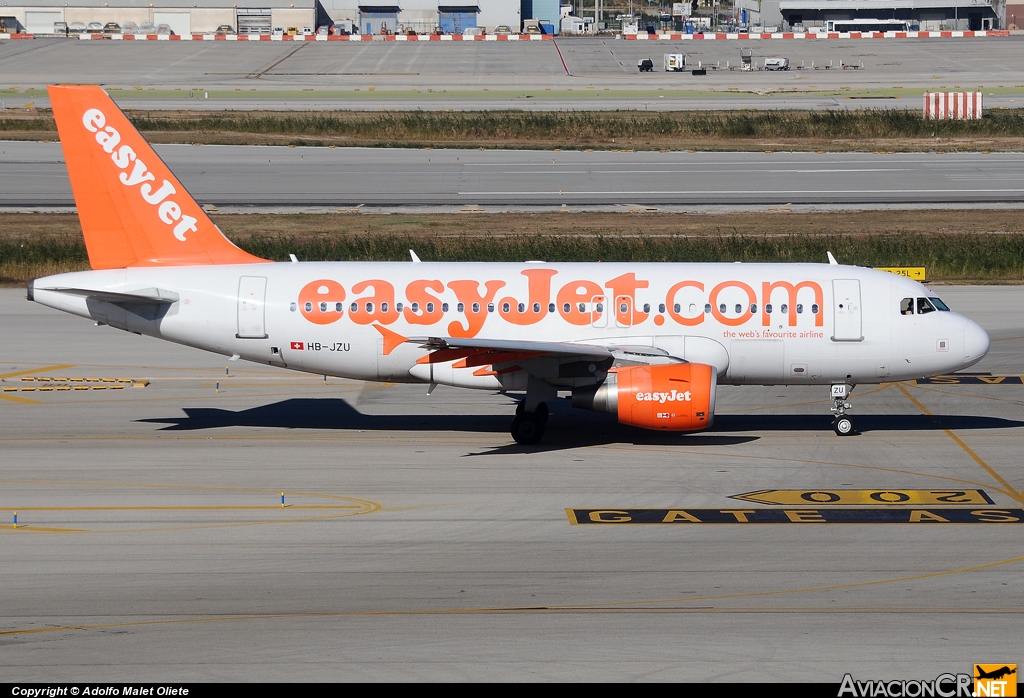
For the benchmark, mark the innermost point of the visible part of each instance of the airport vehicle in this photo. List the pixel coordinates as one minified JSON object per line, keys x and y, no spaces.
{"x":776,"y":64}
{"x":225,"y":29}
{"x":111,"y":28}
{"x":647,"y":343}
{"x":867,"y":25}
{"x":60,"y":28}
{"x":130,"y":28}
{"x":94,"y":28}
{"x":76,"y":28}
{"x":291,"y":31}
{"x":645,"y":65}
{"x":675,"y":62}
{"x":147,"y":28}
{"x":503,"y":29}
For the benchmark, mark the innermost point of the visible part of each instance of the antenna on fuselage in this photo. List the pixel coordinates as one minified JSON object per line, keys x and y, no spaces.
{"x":415,"y":259}
{"x":832,"y":260}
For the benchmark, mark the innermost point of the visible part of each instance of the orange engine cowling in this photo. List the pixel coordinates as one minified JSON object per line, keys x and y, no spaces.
{"x":668,"y":397}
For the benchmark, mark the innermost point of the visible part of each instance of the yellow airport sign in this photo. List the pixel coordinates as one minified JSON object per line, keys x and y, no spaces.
{"x":915,"y":273}
{"x":879,"y":497}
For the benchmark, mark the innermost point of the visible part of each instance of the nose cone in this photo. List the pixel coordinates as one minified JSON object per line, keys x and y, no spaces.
{"x":976,"y":343}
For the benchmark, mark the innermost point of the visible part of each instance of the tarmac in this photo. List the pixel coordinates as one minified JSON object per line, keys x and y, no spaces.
{"x":568,"y":73}
{"x":33,"y":176}
{"x":418,"y":542}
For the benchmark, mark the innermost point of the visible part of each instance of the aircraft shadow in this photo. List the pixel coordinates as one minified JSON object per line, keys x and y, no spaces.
{"x":569,"y":428}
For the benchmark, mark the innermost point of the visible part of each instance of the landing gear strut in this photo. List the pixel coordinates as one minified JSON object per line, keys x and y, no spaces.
{"x":842,"y":424}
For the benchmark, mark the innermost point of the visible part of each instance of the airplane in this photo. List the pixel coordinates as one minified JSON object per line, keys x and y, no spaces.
{"x":648,"y":343}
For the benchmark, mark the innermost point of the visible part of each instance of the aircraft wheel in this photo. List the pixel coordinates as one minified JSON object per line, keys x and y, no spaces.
{"x":843,"y":426}
{"x":527,"y":428}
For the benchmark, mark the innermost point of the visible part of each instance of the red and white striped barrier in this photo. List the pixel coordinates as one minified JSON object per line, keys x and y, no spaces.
{"x":952,"y":105}
{"x":536,"y":37}
{"x":310,"y":37}
{"x":813,"y":35}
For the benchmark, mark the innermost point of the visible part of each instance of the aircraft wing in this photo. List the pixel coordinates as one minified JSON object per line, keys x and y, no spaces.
{"x":513,"y":346}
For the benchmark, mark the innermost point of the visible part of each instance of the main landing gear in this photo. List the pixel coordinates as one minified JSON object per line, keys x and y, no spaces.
{"x":842,"y":424}
{"x":528,"y":427}
{"x":532,"y":413}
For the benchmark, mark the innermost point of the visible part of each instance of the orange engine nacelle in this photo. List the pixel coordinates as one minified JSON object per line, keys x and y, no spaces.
{"x":668,"y":397}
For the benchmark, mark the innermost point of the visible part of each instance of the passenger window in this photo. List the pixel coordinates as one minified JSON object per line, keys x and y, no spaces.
{"x":661,"y":307}
{"x":675,"y":308}
{"x":505,"y":307}
{"x":294,"y":307}
{"x":924,"y":306}
{"x":383,"y":307}
{"x":323,"y":307}
{"x":784,"y":308}
{"x":490,"y":307}
{"x":536,"y":307}
{"x":430,"y":307}
{"x":907,"y":306}
{"x":814,"y":308}
{"x":551,"y":308}
{"x":600,"y":308}
{"x":337,"y":307}
{"x":566,"y":308}
{"x":647,"y":307}
{"x":939,"y":304}
{"x":461,"y":307}
{"x":721,"y":308}
{"x":768,"y":308}
{"x":521,"y":307}
{"x":707,"y":308}
{"x":623,"y":308}
{"x":309,"y":307}
{"x":739,"y":308}
{"x":476,"y":307}
{"x":369,"y":307}
{"x":444,"y":307}
{"x":583,"y":307}
{"x":799,"y":308}
{"x":354,"y":307}
{"x":753,"y":307}
{"x":415,"y":307}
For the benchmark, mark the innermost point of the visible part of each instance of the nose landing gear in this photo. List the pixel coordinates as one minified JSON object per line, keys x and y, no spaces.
{"x":842,"y":424}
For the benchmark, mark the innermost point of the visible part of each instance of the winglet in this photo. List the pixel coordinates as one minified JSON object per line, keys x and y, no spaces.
{"x":391,"y":339}
{"x":832,"y":260}
{"x":134,"y":212}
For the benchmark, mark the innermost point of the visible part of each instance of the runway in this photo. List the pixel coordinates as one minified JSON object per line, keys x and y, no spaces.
{"x":569,"y":73}
{"x":418,"y":542}
{"x":33,"y":175}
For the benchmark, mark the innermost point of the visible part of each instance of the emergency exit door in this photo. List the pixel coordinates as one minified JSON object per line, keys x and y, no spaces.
{"x":252,"y":297}
{"x":846,"y":311}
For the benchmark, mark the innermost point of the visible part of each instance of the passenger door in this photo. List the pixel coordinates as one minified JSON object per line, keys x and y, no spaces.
{"x":846,"y":311}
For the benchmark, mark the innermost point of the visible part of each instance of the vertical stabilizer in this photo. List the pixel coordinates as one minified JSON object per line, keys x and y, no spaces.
{"x":134,"y":212}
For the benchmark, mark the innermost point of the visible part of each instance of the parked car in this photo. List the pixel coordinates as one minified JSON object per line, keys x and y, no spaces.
{"x":323,"y":30}
{"x":147,"y":28}
{"x":94,"y":28}
{"x":164,"y":29}
{"x":646,"y":65}
{"x":76,"y":28}
{"x":306,"y":31}
{"x":503,"y":29}
{"x":278,"y":31}
{"x":60,"y":28}
{"x":292,"y":31}
{"x":225,"y":29}
{"x":776,"y":64}
{"x":111,"y":28}
{"x":130,"y":28}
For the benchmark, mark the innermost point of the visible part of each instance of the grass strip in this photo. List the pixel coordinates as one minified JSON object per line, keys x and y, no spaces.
{"x":804,"y":130}
{"x":975,"y":246}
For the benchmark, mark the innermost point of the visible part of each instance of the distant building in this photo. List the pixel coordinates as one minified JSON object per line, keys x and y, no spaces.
{"x":263,"y":16}
{"x":927,"y":15}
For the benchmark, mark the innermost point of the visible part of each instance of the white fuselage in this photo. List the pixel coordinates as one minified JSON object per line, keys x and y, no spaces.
{"x":827,"y":323}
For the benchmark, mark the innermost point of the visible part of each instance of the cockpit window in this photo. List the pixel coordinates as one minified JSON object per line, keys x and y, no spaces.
{"x":924,"y":306}
{"x":907,"y":306}
{"x":939,"y":304}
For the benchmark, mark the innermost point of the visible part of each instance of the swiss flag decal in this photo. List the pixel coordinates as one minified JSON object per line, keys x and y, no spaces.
{"x":298,"y":345}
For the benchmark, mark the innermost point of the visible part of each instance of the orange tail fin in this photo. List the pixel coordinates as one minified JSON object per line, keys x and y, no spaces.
{"x":134,"y":212}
